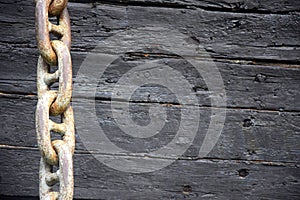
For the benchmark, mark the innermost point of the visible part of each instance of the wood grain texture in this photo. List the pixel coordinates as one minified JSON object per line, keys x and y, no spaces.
{"x":254,"y":44}
{"x":244,"y":6}
{"x":247,"y":134}
{"x":200,"y":179}
{"x":248,"y":85}
{"x":246,"y":36}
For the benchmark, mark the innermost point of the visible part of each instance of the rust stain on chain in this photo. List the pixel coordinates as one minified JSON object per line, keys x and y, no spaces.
{"x":56,"y":7}
{"x":42,"y":32}
{"x":65,"y":80}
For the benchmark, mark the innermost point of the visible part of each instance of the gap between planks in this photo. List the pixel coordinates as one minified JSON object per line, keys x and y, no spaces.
{"x":146,"y":156}
{"x":167,"y":104}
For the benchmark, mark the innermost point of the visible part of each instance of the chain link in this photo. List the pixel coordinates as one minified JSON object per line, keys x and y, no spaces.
{"x":57,"y":153}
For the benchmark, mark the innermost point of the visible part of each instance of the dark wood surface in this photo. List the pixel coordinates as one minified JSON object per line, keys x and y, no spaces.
{"x":254,"y":44}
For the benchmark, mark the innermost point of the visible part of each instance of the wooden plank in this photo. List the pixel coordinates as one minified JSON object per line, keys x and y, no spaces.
{"x":248,"y":85}
{"x":260,"y":6}
{"x":224,"y":35}
{"x":247,"y":134}
{"x":200,"y":179}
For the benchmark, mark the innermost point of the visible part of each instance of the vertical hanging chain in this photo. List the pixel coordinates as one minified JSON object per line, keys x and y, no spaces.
{"x":56,"y":154}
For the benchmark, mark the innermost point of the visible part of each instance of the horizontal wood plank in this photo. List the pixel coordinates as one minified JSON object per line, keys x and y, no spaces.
{"x":247,"y":85}
{"x":224,"y":35}
{"x":204,"y":179}
{"x":183,"y":179}
{"x":260,"y":6}
{"x":247,"y":134}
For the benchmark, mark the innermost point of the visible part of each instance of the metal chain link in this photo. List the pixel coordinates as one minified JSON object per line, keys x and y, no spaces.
{"x":57,"y":153}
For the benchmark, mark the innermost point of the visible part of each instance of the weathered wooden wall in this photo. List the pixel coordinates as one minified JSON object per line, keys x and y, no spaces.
{"x":255,"y":45}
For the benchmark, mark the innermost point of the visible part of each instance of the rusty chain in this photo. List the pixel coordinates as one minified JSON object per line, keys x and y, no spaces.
{"x":57,"y":153}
